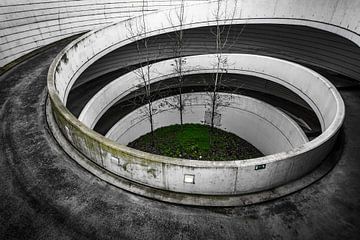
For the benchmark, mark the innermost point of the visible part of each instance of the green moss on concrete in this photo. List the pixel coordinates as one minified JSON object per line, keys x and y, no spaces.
{"x":152,"y":172}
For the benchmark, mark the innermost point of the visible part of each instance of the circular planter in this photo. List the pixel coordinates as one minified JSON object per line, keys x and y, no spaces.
{"x":181,"y":180}
{"x":265,"y":127}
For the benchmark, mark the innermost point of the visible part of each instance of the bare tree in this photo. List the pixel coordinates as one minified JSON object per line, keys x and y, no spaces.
{"x":138,"y":31}
{"x":179,"y":60}
{"x":224,"y":18}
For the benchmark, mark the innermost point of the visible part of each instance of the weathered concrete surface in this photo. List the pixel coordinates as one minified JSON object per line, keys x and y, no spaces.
{"x":301,"y":113}
{"x":26,"y":26}
{"x":30,"y":25}
{"x":45,"y":195}
{"x":227,"y":177}
{"x":246,"y":117}
{"x":308,"y":85}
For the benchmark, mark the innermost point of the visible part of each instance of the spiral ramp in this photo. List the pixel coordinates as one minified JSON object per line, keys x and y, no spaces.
{"x":45,"y":194}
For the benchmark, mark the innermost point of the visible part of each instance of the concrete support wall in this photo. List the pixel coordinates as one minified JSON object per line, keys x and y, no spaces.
{"x":105,"y":41}
{"x":28,"y":25}
{"x":245,"y":84}
{"x":310,"y":86}
{"x":299,"y":44}
{"x":265,"y":127}
{"x":232,"y":177}
{"x":212,"y":178}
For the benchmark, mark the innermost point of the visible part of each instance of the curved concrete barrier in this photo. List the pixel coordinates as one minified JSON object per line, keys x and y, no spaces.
{"x":98,"y":43}
{"x":27,"y":26}
{"x":207,"y":178}
{"x":307,"y":84}
{"x":294,"y":43}
{"x":60,"y":20}
{"x":265,"y":127}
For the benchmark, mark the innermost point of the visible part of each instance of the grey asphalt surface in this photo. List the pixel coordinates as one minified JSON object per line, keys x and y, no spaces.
{"x":45,"y":195}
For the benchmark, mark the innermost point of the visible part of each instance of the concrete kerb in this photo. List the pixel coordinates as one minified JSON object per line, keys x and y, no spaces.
{"x":183,"y":198}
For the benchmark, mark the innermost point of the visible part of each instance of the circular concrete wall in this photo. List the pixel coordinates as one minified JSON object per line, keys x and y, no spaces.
{"x":225,"y":178}
{"x":310,"y":86}
{"x":104,"y":41}
{"x":23,"y":30}
{"x":265,"y":127}
{"x":29,"y":25}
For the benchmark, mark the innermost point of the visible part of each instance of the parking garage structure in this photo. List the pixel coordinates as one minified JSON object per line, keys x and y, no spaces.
{"x":230,"y":181}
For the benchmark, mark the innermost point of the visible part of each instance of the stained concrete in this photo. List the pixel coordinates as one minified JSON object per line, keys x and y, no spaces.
{"x":45,"y":195}
{"x":241,"y":115}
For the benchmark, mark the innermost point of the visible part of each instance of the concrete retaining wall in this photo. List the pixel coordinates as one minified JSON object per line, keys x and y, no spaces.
{"x":29,"y":25}
{"x":307,"y":84}
{"x":212,"y":178}
{"x":104,"y":41}
{"x":265,"y":127}
{"x":299,"y":44}
{"x":245,"y":84}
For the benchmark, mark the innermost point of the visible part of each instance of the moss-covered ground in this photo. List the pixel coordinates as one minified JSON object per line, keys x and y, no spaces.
{"x":196,"y":141}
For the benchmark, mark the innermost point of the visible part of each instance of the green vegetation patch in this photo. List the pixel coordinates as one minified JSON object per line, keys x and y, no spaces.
{"x":196,"y":141}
